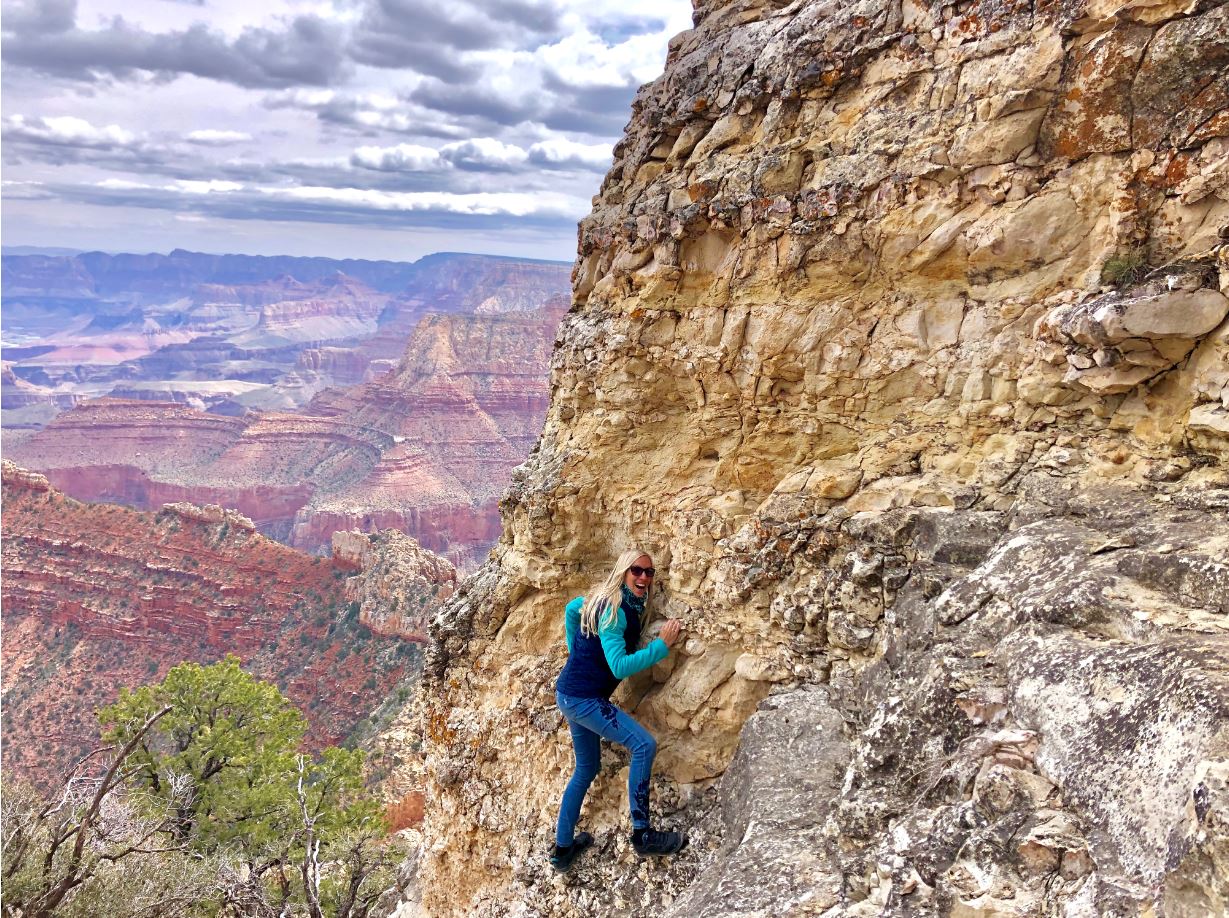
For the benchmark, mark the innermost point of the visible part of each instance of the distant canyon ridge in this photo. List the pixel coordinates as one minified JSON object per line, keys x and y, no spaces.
{"x":312,"y":395}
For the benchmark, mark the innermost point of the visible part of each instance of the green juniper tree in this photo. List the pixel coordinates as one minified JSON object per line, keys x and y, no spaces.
{"x":208,"y":767}
{"x":231,"y":737}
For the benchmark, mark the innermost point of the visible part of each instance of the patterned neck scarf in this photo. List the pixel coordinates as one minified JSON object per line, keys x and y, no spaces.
{"x":633,"y":602}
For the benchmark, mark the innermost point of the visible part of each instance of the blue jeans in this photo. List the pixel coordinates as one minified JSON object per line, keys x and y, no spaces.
{"x":590,"y":719}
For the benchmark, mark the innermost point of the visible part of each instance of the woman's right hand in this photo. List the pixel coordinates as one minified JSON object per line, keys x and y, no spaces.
{"x":670,"y":631}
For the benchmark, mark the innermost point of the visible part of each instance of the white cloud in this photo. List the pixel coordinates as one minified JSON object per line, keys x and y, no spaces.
{"x":301,"y":98}
{"x":185,"y":194}
{"x":676,"y":16}
{"x":383,"y":122}
{"x":211,"y":186}
{"x":583,"y":59}
{"x":562,"y":152}
{"x":115,"y":184}
{"x":24,"y":191}
{"x":371,"y":112}
{"x":214,"y":138}
{"x":405,"y":157}
{"x":325,"y":99}
{"x":535,"y":91}
{"x":483,"y":153}
{"x":509,"y":203}
{"x":67,"y":130}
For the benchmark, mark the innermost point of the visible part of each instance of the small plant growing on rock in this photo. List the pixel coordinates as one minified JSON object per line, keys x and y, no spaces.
{"x":1124,"y":268}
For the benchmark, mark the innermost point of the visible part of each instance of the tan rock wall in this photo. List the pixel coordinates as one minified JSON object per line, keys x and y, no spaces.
{"x":851,"y":259}
{"x":399,"y":584}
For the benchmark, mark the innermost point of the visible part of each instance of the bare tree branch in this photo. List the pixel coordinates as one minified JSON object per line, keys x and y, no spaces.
{"x":76,"y":872}
{"x":311,"y":846}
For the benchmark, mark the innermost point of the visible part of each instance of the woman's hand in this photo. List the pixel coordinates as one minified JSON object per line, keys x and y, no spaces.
{"x":670,"y":631}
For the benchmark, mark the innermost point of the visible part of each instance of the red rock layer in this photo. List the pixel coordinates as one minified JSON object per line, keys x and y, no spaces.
{"x":97,"y":596}
{"x":427,"y":448}
{"x":470,"y":393}
{"x":161,"y":438}
{"x":269,"y":506}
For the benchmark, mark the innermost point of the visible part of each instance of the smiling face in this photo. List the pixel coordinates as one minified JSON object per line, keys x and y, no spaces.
{"x":639,"y":583}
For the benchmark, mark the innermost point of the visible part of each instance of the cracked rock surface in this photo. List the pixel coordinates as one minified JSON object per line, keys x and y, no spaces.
{"x":899,"y":339}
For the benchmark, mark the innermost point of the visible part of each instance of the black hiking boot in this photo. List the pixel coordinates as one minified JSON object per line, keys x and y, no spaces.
{"x":651,"y":843}
{"x":563,"y":858}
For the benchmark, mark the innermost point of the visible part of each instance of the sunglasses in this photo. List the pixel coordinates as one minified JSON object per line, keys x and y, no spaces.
{"x":638,"y":571}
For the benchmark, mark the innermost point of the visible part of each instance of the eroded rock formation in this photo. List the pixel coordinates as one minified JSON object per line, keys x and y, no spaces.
{"x":462,"y":409}
{"x":98,"y":596}
{"x":402,"y":584}
{"x":427,"y":447}
{"x":899,"y":338}
{"x":26,"y":405}
{"x":229,"y":333}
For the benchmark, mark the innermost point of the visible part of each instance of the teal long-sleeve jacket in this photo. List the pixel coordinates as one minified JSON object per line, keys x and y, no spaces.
{"x":597,"y":663}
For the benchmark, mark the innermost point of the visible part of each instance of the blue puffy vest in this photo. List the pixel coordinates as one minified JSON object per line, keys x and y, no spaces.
{"x":587,"y":674}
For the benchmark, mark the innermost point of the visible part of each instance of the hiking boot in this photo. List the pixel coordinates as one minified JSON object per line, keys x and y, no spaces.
{"x":650,"y":842}
{"x":562,"y":859}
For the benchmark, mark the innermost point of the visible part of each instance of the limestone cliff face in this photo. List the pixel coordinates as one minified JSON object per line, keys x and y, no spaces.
{"x":401,"y":584}
{"x":900,"y":339}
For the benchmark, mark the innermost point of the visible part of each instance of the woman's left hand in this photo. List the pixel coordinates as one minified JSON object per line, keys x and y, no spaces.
{"x":670,"y":631}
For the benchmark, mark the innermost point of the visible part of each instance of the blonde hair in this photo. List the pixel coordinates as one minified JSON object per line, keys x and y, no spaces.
{"x":605,"y":600}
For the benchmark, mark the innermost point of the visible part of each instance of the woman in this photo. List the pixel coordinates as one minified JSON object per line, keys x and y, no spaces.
{"x":602,"y":635}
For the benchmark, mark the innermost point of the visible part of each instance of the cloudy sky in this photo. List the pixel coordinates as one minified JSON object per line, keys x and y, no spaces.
{"x":347,"y":128}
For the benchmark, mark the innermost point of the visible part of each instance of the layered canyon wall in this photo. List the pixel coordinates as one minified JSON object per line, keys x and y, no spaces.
{"x":427,"y":447}
{"x":900,"y":340}
{"x":463,"y":408}
{"x":98,"y":596}
{"x":232,"y":333}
